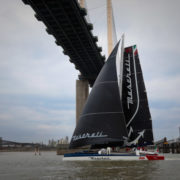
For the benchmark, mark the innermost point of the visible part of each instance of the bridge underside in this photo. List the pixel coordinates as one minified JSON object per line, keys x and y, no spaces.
{"x":65,"y":20}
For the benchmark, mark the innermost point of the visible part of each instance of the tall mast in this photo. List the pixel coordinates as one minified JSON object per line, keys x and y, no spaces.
{"x":109,"y":26}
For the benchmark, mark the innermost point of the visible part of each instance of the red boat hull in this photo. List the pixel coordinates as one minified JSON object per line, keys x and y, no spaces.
{"x":154,"y":157}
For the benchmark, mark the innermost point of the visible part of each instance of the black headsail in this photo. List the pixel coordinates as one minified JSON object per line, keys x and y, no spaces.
{"x":135,"y":103}
{"x":102,"y":121}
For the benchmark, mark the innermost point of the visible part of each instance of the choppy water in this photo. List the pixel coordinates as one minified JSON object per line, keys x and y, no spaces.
{"x":49,"y":166}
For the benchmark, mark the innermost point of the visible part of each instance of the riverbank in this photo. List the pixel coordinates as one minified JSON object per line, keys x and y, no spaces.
{"x":26,"y":149}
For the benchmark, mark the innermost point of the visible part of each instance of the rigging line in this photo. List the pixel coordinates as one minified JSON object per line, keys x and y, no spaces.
{"x":114,"y":35}
{"x":96,"y":7}
{"x":137,"y":90}
{"x":101,"y":17}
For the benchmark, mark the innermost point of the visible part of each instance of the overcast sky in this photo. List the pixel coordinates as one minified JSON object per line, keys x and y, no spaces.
{"x":37,"y":82}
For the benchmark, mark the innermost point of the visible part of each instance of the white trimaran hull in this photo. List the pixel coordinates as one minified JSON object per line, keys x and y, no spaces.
{"x":105,"y":158}
{"x":112,"y":157}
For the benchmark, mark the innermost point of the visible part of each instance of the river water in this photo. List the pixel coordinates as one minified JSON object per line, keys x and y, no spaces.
{"x":49,"y":166}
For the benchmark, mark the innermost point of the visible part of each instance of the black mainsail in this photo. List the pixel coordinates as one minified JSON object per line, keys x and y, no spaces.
{"x":134,"y":98}
{"x":102,"y":120}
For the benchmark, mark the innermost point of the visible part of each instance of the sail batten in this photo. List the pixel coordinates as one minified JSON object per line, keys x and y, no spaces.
{"x":90,"y":114}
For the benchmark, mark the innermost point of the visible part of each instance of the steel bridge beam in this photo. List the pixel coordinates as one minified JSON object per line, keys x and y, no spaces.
{"x":65,"y":20}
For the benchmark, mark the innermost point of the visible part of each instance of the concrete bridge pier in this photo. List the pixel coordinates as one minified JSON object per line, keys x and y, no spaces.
{"x":82,"y":92}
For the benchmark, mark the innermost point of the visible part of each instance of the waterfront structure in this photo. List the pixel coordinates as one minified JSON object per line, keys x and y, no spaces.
{"x":6,"y":143}
{"x":168,"y":146}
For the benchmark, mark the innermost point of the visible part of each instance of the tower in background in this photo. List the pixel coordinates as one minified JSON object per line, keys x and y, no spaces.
{"x":111,"y":30}
{"x":82,"y":3}
{"x":109,"y":26}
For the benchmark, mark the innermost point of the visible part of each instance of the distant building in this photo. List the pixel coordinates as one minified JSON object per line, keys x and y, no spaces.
{"x":52,"y":143}
{"x":63,"y":140}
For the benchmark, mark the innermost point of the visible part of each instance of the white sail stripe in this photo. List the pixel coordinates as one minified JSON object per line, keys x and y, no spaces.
{"x":89,"y":114}
{"x":121,"y":68}
{"x":117,"y":64}
{"x":137,"y":90}
{"x":130,"y":131}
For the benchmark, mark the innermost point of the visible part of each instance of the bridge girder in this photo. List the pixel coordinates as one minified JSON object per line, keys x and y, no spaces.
{"x":65,"y":20}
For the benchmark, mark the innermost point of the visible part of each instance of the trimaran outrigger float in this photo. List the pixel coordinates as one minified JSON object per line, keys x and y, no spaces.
{"x":116,"y":113}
